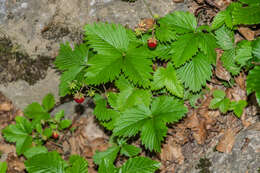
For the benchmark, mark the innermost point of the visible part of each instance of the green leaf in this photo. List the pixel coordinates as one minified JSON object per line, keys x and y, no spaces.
{"x":59,"y":115}
{"x":183,"y":50}
{"x":104,"y":68}
{"x":3,"y":167}
{"x":137,"y":67}
{"x":224,"y":105}
{"x":107,"y":38}
{"x":164,"y":33}
{"x":37,"y":113}
{"x":225,"y":38}
{"x":219,"y":19}
{"x":180,"y":21}
{"x":151,"y":122}
{"x":19,"y":133}
{"x":46,"y":162}
{"x":238,"y":107}
{"x":219,"y":101}
{"x":130,"y":96}
{"x":78,"y":165}
{"x":167,"y":77}
{"x":253,"y":82}
{"x":140,"y":165}
{"x":35,"y":151}
{"x":101,"y":111}
{"x":250,"y":1}
{"x":106,"y":166}
{"x":256,"y":48}
{"x":69,"y":58}
{"x":207,"y":44}
{"x":248,"y":15}
{"x":67,"y":77}
{"x":195,"y":73}
{"x":228,"y":60}
{"x":48,"y":102}
{"x":243,"y":52}
{"x":110,"y":154}
{"x":64,"y":124}
{"x":47,"y":132}
{"x":129,"y":150}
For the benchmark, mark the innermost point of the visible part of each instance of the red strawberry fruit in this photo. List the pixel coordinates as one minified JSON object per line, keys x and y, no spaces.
{"x":79,"y":98}
{"x":55,"y":135}
{"x":152,"y":43}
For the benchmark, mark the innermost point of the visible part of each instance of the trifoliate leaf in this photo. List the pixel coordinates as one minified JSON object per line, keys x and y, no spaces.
{"x":180,"y":21}
{"x":207,"y":44}
{"x":150,"y":121}
{"x":195,"y":73}
{"x":238,"y":107}
{"x":106,"y":166}
{"x":166,"y":77}
{"x":137,"y":67}
{"x":256,"y":48}
{"x":47,"y":132}
{"x":219,"y":101}
{"x":78,"y":165}
{"x":110,"y":155}
{"x":140,"y":165}
{"x":48,"y":102}
{"x":183,"y":50}
{"x":36,"y":111}
{"x":165,"y":33}
{"x":248,"y":15}
{"x":19,"y":133}
{"x":162,"y":52}
{"x":225,"y":38}
{"x":3,"y":167}
{"x":228,"y":60}
{"x":47,"y":162}
{"x":104,"y":68}
{"x":107,"y":38}
{"x":34,"y":151}
{"x":253,"y":82}
{"x":243,"y":52}
{"x":64,"y":124}
{"x":129,"y":150}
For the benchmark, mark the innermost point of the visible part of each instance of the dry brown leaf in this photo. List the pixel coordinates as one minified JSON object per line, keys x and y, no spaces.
{"x":198,"y":128}
{"x":172,"y":152}
{"x":14,"y":163}
{"x":6,"y":148}
{"x":225,"y":145}
{"x":6,"y":106}
{"x":247,"y":33}
{"x":222,"y":4}
{"x":240,"y":80}
{"x":221,"y":72}
{"x":146,"y":24}
{"x":74,"y":146}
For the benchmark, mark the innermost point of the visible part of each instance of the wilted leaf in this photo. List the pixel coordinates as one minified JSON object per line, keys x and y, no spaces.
{"x":5,"y":106}
{"x":221,"y":72}
{"x":247,"y":33}
{"x":225,"y":145}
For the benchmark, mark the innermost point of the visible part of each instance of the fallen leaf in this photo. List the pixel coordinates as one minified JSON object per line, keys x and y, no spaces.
{"x":247,"y":33}
{"x":6,"y":148}
{"x":221,"y":72}
{"x":179,"y":1}
{"x":172,"y":152}
{"x":240,"y":80}
{"x":198,"y":128}
{"x":6,"y":106}
{"x":225,"y":145}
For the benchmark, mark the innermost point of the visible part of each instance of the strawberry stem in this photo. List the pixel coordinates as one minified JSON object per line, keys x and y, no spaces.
{"x":148,"y":8}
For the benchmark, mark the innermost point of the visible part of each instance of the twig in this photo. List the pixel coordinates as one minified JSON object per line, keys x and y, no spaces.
{"x":256,"y":63}
{"x":148,"y":8}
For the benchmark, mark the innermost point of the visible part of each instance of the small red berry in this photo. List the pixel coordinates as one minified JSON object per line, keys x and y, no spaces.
{"x":79,"y":100}
{"x":152,"y":43}
{"x":55,"y":135}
